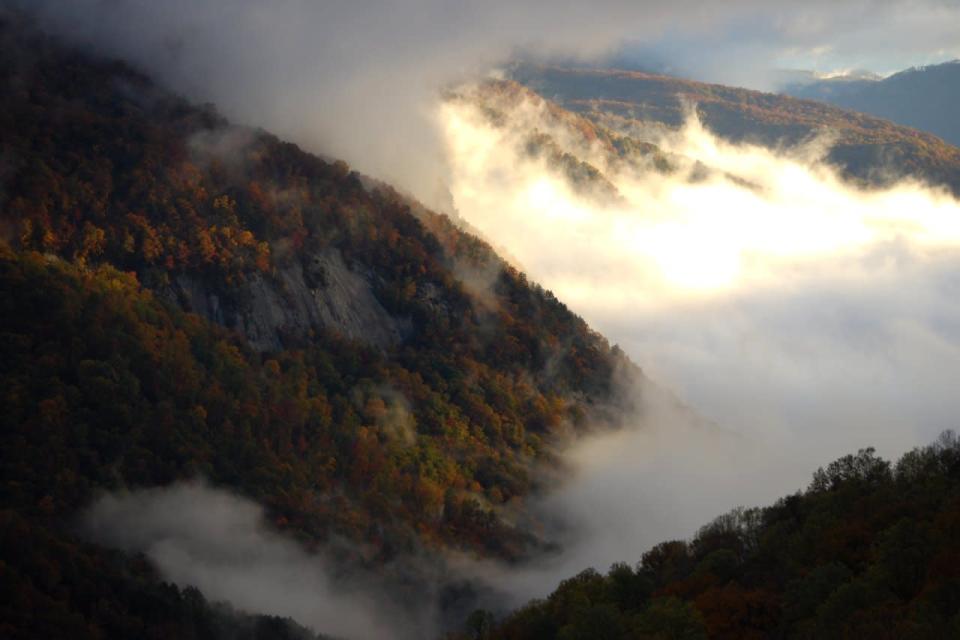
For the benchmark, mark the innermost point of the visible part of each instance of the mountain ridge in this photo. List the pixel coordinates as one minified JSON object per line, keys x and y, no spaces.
{"x":865,"y":149}
{"x":922,"y":97}
{"x":185,"y":298}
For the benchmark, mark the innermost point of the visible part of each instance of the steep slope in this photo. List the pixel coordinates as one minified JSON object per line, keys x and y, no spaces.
{"x":924,"y":98}
{"x":584,"y":153}
{"x":182,"y":297}
{"x":589,"y":154}
{"x":865,"y":148}
{"x":868,"y":550}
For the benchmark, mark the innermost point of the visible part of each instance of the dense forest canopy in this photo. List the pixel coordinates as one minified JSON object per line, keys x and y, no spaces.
{"x":106,"y":175}
{"x":183,"y":298}
{"x":868,"y":550}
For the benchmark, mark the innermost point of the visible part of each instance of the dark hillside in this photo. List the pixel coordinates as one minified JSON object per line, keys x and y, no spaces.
{"x":869,"y":550}
{"x":865,"y":148}
{"x":924,"y":98}
{"x":181,"y":297}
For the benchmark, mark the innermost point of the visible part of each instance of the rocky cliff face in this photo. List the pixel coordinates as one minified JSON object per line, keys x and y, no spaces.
{"x":319,"y":293}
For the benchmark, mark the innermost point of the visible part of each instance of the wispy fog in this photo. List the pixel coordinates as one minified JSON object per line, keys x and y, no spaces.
{"x":220,"y":543}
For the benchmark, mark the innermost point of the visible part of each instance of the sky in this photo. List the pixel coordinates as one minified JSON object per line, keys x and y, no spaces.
{"x":879,"y":37}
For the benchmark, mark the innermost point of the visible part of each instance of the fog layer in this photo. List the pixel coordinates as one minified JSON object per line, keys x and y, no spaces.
{"x":804,"y":316}
{"x":220,"y":543}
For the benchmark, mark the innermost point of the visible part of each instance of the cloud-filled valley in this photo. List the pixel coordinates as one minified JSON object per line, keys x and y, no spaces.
{"x":797,"y":312}
{"x":771,"y":267}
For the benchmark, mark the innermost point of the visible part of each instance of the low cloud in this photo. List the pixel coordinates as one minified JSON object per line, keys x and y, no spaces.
{"x":801,"y":316}
{"x":388,"y":410}
{"x":220,"y":543}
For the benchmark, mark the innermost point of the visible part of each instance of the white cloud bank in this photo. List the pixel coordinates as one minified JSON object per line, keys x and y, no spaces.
{"x":807,"y":316}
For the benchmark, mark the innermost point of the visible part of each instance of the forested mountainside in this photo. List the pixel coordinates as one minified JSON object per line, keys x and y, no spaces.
{"x":182,"y":297}
{"x":868,"y":550}
{"x":925,"y":98}
{"x":865,"y":148}
{"x":584,"y":153}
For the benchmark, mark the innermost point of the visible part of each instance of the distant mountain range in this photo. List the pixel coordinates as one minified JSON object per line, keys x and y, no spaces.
{"x":925,"y":98}
{"x":802,"y":77}
{"x":866,"y":149}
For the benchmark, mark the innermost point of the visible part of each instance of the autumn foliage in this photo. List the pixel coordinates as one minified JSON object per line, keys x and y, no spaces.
{"x":868,"y":550}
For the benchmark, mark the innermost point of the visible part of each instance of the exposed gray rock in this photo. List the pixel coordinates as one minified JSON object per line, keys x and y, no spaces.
{"x":323,"y":294}
{"x":193,"y":296}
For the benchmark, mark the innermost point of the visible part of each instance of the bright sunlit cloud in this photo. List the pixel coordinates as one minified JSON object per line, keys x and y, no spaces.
{"x":807,"y":315}
{"x":757,"y":215}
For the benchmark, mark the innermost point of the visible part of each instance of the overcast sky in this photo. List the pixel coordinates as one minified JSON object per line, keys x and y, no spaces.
{"x":882,"y":37}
